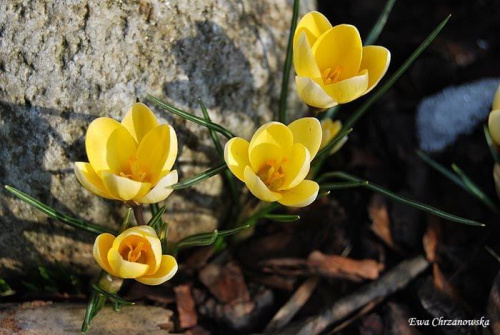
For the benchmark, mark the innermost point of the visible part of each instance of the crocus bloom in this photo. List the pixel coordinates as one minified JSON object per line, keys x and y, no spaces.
{"x":331,"y":63}
{"x":135,"y":253}
{"x":330,"y":130}
{"x":275,"y":162}
{"x":131,"y":160}
{"x":494,"y":118}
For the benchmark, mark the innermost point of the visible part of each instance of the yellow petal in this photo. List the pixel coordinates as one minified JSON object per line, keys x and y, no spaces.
{"x":258,"y":188}
{"x":109,"y":146}
{"x":155,"y":254}
{"x":154,"y":149}
{"x":263,"y":153}
{"x":313,"y":24}
{"x":494,"y":125}
{"x":141,"y":231}
{"x":172,"y":150}
{"x":376,"y":60}
{"x":339,"y":47}
{"x":167,"y":270}
{"x":349,"y":89}
{"x":275,"y":133}
{"x":496,"y":100}
{"x":296,"y":167}
{"x":139,"y":120}
{"x":161,"y":190}
{"x":124,"y":188}
{"x":125,"y":269}
{"x":307,"y":131}
{"x":330,"y":130}
{"x":102,"y":245}
{"x":236,"y":156}
{"x":90,"y":180}
{"x":301,"y":195}
{"x":303,"y":59}
{"x":312,"y":93}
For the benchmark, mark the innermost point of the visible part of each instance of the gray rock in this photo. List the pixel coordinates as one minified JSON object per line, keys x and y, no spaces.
{"x":64,"y":63}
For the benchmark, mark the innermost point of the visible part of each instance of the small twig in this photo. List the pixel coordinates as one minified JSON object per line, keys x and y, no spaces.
{"x":363,"y":311}
{"x":139,"y":215}
{"x":391,"y":282}
{"x":288,"y":311}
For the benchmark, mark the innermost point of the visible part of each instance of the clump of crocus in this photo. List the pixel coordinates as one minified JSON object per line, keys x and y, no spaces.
{"x":276,"y":161}
{"x":330,"y":129}
{"x":136,"y":254}
{"x":131,"y":160}
{"x":331,"y":63}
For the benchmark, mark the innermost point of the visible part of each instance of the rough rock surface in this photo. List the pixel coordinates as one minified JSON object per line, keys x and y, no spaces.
{"x":64,"y":63}
{"x":40,"y":317}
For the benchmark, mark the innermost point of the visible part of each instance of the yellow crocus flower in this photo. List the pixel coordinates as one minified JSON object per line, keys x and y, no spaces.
{"x":131,"y":160}
{"x":275,"y":162}
{"x":135,"y":254}
{"x":494,"y":118}
{"x":331,"y":63}
{"x":330,"y":130}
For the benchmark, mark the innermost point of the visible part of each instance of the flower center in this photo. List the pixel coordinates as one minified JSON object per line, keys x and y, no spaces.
{"x":331,"y":76}
{"x":136,"y":172}
{"x":271,"y":173}
{"x":135,"y":252}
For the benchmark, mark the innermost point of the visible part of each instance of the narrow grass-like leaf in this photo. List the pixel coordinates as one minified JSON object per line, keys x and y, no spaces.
{"x":94,"y":306}
{"x":126,"y":220}
{"x":403,"y":200}
{"x":227,"y":174}
{"x":492,"y":253}
{"x":5,"y":289}
{"x":200,"y":177}
{"x":52,"y":213}
{"x":441,"y":169}
{"x":402,"y":69}
{"x":323,"y":194}
{"x":460,"y":179}
{"x":188,"y":116}
{"x":491,"y":145}
{"x":342,"y":185}
{"x":156,"y":221}
{"x":475,"y":190}
{"x":281,"y":217}
{"x":204,"y":239}
{"x":288,"y":64}
{"x":379,"y":25}
{"x":112,"y":296}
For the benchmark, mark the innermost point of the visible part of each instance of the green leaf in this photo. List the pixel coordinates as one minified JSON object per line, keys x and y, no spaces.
{"x":475,"y":190}
{"x":460,"y":179}
{"x":281,"y":217}
{"x":288,"y":64}
{"x":112,"y":296}
{"x":94,"y":306}
{"x":5,"y":289}
{"x":52,"y":213}
{"x":342,"y":185}
{"x":402,"y":69}
{"x":205,"y":239}
{"x":200,"y":177}
{"x":403,"y":200}
{"x":379,"y":25}
{"x":126,"y":220}
{"x":227,"y":174}
{"x":156,"y":222}
{"x":491,"y":145}
{"x":441,"y":169}
{"x":188,"y":116}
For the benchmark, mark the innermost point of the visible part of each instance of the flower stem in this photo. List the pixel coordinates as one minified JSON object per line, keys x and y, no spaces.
{"x":139,"y":215}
